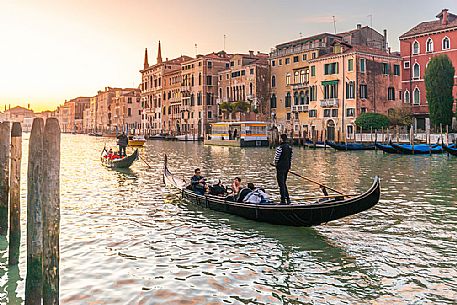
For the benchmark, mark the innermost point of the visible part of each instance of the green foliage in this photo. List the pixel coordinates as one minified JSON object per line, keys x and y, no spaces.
{"x":439,"y":81}
{"x":242,"y":106}
{"x":370,"y":120}
{"x":400,"y":116}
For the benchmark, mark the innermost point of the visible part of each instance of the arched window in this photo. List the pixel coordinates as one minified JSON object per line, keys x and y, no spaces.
{"x":302,"y":76}
{"x":429,"y":45}
{"x":446,"y":43}
{"x":296,"y":77}
{"x":273,"y":81}
{"x":295,"y":98}
{"x":288,"y":99}
{"x":302,"y":97}
{"x":287,"y":79}
{"x":273,"y":101}
{"x":417,"y":96}
{"x":416,"y":47}
{"x":250,"y":88}
{"x":407,"y":97}
{"x":416,"y":71}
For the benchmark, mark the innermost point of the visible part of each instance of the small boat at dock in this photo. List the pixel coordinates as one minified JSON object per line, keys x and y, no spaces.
{"x":450,"y":149}
{"x":418,"y":149}
{"x":351,"y":146}
{"x":137,"y":141}
{"x":306,"y":212}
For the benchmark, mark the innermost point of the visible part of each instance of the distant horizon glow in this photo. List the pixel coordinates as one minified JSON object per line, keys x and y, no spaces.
{"x":60,"y":50}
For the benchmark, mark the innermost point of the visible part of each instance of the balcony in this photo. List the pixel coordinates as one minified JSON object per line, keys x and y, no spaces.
{"x":185,"y":88}
{"x":330,"y":103}
{"x":300,"y":108}
{"x":299,"y":86}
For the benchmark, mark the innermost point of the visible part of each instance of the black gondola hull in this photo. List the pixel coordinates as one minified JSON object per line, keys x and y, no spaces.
{"x":351,"y":146}
{"x":120,"y":163}
{"x":450,"y":150}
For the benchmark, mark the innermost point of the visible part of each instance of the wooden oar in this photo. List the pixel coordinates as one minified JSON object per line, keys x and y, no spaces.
{"x":144,"y":161}
{"x":313,"y":181}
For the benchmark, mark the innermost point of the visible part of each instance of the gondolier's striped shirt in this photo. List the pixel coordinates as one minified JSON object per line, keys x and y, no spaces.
{"x":283,"y":156}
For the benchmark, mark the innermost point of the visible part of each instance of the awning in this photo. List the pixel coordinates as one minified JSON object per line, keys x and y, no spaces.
{"x":330,"y":82}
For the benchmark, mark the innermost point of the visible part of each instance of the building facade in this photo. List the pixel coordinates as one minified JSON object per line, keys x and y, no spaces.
{"x":126,"y":111}
{"x":417,"y":47}
{"x":246,"y":80}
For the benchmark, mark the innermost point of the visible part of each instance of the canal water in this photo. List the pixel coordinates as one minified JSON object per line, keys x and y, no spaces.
{"x":126,"y":239}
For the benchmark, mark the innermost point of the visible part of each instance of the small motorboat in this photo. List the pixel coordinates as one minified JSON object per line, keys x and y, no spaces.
{"x":137,"y":140}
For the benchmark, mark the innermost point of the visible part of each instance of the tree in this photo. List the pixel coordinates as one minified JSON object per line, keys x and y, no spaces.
{"x":400,"y":116}
{"x":227,"y":108}
{"x":370,"y":120}
{"x":439,"y":81}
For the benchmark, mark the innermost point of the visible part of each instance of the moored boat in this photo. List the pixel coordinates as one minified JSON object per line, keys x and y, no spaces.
{"x":451,"y":149}
{"x":318,"y":144}
{"x":125,"y":162}
{"x":351,"y":146}
{"x":300,"y":213}
{"x":136,"y":140}
{"x":386,"y":148}
{"x":418,"y":149}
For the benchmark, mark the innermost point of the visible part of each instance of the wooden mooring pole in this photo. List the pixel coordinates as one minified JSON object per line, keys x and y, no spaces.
{"x":5,"y":138}
{"x":50,"y":199}
{"x":33,"y":283}
{"x":15,"y":195}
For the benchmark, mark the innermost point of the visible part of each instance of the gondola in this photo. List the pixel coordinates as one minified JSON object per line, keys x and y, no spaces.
{"x":125,"y":162}
{"x":450,"y":149}
{"x":300,"y":213}
{"x":351,"y":146}
{"x":419,"y":149}
{"x":311,"y":144}
{"x":386,"y":148}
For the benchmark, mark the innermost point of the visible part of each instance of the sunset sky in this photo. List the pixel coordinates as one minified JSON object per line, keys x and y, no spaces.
{"x":57,"y":50}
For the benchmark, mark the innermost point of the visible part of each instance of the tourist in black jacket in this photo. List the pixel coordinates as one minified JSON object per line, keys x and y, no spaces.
{"x":282,"y":162}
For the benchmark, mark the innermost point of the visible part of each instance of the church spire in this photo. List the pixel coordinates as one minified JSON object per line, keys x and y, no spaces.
{"x":159,"y":55}
{"x":146,"y":62}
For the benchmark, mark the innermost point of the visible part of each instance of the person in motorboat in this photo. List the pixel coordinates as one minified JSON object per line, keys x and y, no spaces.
{"x":256,"y":195}
{"x":198,"y":182}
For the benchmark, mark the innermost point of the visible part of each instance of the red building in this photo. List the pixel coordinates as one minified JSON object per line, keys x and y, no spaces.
{"x":417,"y":47}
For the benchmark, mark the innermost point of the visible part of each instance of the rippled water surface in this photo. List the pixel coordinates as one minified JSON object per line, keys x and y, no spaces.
{"x":126,"y":239}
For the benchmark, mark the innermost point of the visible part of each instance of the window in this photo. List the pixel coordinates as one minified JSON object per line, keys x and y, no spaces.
{"x":385,"y":68}
{"x":350,"y":90}
{"x":232,"y":63}
{"x":199,"y":98}
{"x":363,"y":91}
{"x":210,"y":64}
{"x":210,"y":114}
{"x":209,"y":80}
{"x":280,"y":62}
{"x":350,"y":131}
{"x":391,"y":94}
{"x":273,"y":101}
{"x":305,"y":56}
{"x":407,"y":97}
{"x":251,"y":71}
{"x":243,"y":72}
{"x":313,"y":70}
{"x":350,"y":64}
{"x":287,"y":79}
{"x":446,"y":43}
{"x":296,"y":77}
{"x":429,"y":45}
{"x":326,"y":113}
{"x":396,"y":69}
{"x":302,"y":98}
{"x":273,"y":81}
{"x":406,"y":65}
{"x":312,"y":113}
{"x":417,"y":96}
{"x":335,"y":113}
{"x":295,"y":98}
{"x":273,"y":63}
{"x":295,"y":58}
{"x":331,"y":68}
{"x":288,"y":99}
{"x":363,"y":110}
{"x":288,"y":116}
{"x":227,"y":65}
{"x":416,"y":47}
{"x":313,"y":93}
{"x":363,"y":63}
{"x":227,"y":76}
{"x":302,"y":76}
{"x":129,"y":111}
{"x":416,"y":71}
{"x":330,"y":91}
{"x":287,"y":60}
{"x":350,"y":112}
{"x":314,"y":55}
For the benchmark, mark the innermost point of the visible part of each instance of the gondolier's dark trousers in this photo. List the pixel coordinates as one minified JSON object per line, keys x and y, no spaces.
{"x":281,"y":177}
{"x":122,"y":152}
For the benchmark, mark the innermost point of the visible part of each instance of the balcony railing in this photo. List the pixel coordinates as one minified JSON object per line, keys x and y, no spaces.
{"x":299,"y":86}
{"x":185,"y":88}
{"x":300,"y":108}
{"x":329,"y":103}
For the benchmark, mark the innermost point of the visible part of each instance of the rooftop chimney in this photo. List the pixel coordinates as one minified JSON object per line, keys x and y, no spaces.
{"x":251,"y":53}
{"x":444,"y":16}
{"x":359,"y":26}
{"x":385,"y":39}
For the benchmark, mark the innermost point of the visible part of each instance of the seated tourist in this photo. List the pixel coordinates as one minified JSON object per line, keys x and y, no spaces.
{"x":198,"y":182}
{"x":256,"y":195}
{"x":236,"y":187}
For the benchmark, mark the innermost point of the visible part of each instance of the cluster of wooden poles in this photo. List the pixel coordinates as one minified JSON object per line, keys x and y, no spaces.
{"x":43,"y":205}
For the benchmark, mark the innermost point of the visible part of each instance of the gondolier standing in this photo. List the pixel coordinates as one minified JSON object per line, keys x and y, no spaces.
{"x":122,"y":141}
{"x":282,"y":162}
